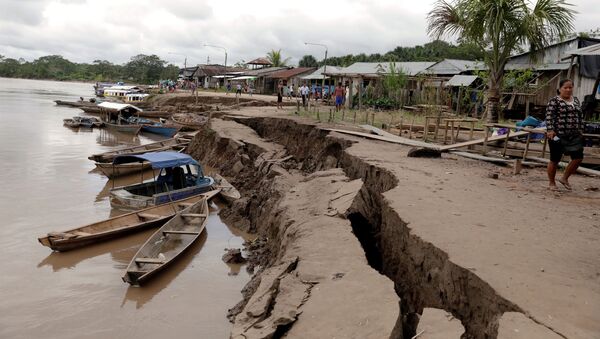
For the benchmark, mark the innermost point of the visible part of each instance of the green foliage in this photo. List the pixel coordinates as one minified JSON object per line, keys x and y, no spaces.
{"x":308,"y":61}
{"x":277,"y":59}
{"x":500,"y":28}
{"x":144,"y":69}
{"x":433,"y":51}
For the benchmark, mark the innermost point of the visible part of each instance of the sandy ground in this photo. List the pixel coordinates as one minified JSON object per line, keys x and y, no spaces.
{"x":536,"y":248}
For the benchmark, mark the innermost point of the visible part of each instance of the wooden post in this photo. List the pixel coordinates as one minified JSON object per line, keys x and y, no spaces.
{"x":458,"y":101}
{"x":360,"y":93}
{"x":452,"y":131}
{"x":544,"y":147}
{"x":485,"y":140}
{"x":527,"y":146}
{"x":411,"y":128}
{"x":425,"y":129}
{"x":506,"y":143}
{"x":527,"y":106}
{"x":518,"y":166}
{"x":372,"y":118}
{"x":354,"y":119}
{"x":401,"y":125}
{"x":437,"y":127}
{"x":446,"y":130}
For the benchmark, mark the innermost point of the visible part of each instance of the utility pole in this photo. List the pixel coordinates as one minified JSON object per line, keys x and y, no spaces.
{"x":324,"y":66}
{"x":223,"y":48}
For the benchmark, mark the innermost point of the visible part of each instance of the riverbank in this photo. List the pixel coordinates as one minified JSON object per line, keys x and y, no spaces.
{"x":506,"y":257}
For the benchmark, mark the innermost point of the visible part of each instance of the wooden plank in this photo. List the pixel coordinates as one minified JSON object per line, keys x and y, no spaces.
{"x":184,"y":204}
{"x":149,"y":216}
{"x":193,"y":215}
{"x":563,"y":164}
{"x":181,"y":232}
{"x":81,"y":234}
{"x":149,"y":261}
{"x":395,"y":139}
{"x":481,"y":141}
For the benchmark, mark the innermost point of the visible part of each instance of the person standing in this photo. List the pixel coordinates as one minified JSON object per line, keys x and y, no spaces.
{"x":238,"y":91}
{"x":228,"y":87}
{"x":290,"y":91}
{"x":304,"y":94}
{"x":564,"y":124}
{"x":339,"y":94}
{"x":279,"y":95}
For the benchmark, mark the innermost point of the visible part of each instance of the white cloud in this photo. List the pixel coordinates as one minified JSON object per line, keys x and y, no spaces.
{"x":85,"y":30}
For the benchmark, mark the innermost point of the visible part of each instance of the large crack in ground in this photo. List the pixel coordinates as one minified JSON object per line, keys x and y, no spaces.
{"x":423,"y":275}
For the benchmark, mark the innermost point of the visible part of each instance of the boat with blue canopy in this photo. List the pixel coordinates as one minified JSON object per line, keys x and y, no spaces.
{"x":176,"y":176}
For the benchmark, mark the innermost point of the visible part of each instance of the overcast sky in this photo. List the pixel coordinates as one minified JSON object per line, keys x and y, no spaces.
{"x":115,"y":30}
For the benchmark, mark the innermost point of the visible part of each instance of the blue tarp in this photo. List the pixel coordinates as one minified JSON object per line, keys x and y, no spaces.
{"x":158,"y":159}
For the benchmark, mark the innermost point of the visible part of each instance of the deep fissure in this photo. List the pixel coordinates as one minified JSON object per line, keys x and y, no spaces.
{"x":423,"y":275}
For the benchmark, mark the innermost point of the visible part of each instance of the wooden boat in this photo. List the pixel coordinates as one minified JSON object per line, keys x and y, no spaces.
{"x":228,"y":192}
{"x":179,"y":177}
{"x":135,"y":129}
{"x":118,"y":226}
{"x":189,"y":121}
{"x":175,"y":143}
{"x":160,"y":129}
{"x":71,"y":123}
{"x":168,"y":243}
{"x":113,"y":171}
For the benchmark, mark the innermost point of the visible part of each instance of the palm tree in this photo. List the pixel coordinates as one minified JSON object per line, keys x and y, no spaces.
{"x":276,"y":59}
{"x":498,"y":28}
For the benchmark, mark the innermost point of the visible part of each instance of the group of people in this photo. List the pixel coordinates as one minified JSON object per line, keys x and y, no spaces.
{"x":239,"y":88}
{"x":305,"y":93}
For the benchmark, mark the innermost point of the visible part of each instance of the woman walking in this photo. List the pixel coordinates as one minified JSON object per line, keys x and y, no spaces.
{"x":280,"y":95}
{"x":564,"y":122}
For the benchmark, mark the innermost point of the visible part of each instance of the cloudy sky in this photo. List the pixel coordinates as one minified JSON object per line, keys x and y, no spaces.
{"x":115,"y":30}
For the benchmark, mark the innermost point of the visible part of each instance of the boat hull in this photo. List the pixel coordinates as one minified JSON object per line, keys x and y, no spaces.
{"x":134,"y":129}
{"x":117,"y":226}
{"x":168,"y":243}
{"x":162,"y":130}
{"x":113,"y":171}
{"x":152,"y":147}
{"x":122,"y":199}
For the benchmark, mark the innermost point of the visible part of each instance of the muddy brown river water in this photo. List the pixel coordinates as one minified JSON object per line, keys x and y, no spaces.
{"x":48,"y":184}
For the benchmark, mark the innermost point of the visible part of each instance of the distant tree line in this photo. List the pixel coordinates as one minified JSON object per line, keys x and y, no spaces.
{"x":433,"y":51}
{"x":141,"y":69}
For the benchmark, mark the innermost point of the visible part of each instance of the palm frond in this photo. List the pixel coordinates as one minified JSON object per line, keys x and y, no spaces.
{"x":444,"y":18}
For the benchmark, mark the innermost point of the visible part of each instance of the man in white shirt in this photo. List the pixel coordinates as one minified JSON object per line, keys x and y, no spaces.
{"x":304,"y":93}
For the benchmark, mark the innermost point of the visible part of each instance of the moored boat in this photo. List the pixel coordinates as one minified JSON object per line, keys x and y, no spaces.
{"x":72,"y":123}
{"x":189,"y":121}
{"x":164,"y":145}
{"x":117,"y":226}
{"x":228,"y":192}
{"x":168,"y":243}
{"x":112,"y":171}
{"x":116,"y":117}
{"x":179,"y":177}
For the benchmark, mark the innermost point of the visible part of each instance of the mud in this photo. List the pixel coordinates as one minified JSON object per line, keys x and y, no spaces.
{"x":299,"y":185}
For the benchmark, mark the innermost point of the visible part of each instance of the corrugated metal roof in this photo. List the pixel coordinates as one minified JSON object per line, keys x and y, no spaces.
{"x":543,"y":67}
{"x":318,"y":74}
{"x":263,"y":71}
{"x":454,"y":66}
{"x":259,"y":61}
{"x":288,"y":73}
{"x":589,"y":50}
{"x":378,"y":68}
{"x":212,"y":70}
{"x":461,"y":80}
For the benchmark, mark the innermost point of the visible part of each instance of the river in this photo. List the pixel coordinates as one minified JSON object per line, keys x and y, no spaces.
{"x":48,"y":184}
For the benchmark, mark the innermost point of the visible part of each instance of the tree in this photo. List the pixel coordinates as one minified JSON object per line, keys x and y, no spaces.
{"x":308,"y":61}
{"x":144,"y":69}
{"x":276,"y":58}
{"x":498,"y":28}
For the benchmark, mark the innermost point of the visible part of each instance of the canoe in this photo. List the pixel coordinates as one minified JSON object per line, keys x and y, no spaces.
{"x":228,"y":192}
{"x":189,"y":121}
{"x":113,"y":171}
{"x":135,"y":129}
{"x":162,"y":130}
{"x":168,"y":243}
{"x":175,"y":143}
{"x":71,"y":123}
{"x":117,"y":226}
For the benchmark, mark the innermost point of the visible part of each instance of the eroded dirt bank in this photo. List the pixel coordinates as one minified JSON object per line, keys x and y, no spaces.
{"x":432,"y":232}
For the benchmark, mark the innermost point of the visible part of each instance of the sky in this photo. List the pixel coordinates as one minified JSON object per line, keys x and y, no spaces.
{"x":175,"y":30}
